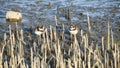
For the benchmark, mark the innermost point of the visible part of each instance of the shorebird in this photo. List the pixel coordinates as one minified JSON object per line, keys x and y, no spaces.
{"x":39,"y":30}
{"x":73,"y":29}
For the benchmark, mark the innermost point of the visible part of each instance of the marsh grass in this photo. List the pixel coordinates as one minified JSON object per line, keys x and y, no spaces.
{"x":54,"y":52}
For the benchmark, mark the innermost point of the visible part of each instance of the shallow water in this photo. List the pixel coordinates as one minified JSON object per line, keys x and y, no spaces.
{"x":43,"y":11}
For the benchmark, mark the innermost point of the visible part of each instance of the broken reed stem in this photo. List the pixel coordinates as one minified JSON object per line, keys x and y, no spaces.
{"x":108,"y":61}
{"x":63,"y":32}
{"x":69,"y":63}
{"x":81,"y":33}
{"x":58,"y":46}
{"x":68,"y":14}
{"x":115,"y":56}
{"x":35,"y":47}
{"x":6,"y":64}
{"x":13,"y":39}
{"x":79,"y":58}
{"x":82,"y":36}
{"x":44,"y":40}
{"x":118,"y":58}
{"x":10,"y":34}
{"x":21,"y":32}
{"x":71,"y":38}
{"x":112,"y":64}
{"x":56,"y":22}
{"x":112,"y":38}
{"x":19,"y":60}
{"x":89,"y":26}
{"x":20,"y":48}
{"x":32,"y":64}
{"x":11,"y":46}
{"x":1,"y":55}
{"x":5,"y":37}
{"x":89,"y":56}
{"x":75,"y":61}
{"x":108,"y":41}
{"x":58,"y":55}
{"x":51,"y":34}
{"x":85,"y":46}
{"x":45,"y":55}
{"x":55,"y":36}
{"x":46,"y":31}
{"x":86,"y":40}
{"x":103,"y":44}
{"x":84,"y":66}
{"x":17,"y":34}
{"x":105,"y":56}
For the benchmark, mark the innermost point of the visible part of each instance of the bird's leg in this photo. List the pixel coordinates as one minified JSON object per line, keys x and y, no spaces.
{"x":70,"y":38}
{"x":75,"y":39}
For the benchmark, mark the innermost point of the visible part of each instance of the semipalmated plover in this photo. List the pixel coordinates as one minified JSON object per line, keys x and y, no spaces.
{"x":73,"y":29}
{"x":39,"y":30}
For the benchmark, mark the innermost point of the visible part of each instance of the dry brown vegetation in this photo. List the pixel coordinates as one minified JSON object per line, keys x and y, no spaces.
{"x":55,"y":49}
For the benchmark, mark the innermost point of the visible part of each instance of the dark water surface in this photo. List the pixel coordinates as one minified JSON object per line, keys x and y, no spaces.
{"x":44,"y":11}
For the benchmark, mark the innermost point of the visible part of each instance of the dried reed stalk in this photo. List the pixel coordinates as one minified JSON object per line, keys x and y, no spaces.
{"x":44,"y":38}
{"x":51,"y":34}
{"x":69,"y":63}
{"x":108,"y":41}
{"x":17,"y":32}
{"x":47,"y":38}
{"x":69,"y":14}
{"x":22,"y":37}
{"x":32,"y":63}
{"x":5,"y":64}
{"x":56,"y":21}
{"x":105,"y":56}
{"x":118,"y":58}
{"x":55,"y":35}
{"x":1,"y":56}
{"x":81,"y":34}
{"x":63,"y":38}
{"x":84,"y":65}
{"x":115,"y":56}
{"x":89,"y":57}
{"x":112,"y":38}
{"x":89,"y":26}
{"x":78,"y":58}
{"x":85,"y":46}
{"x":102,"y":44}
